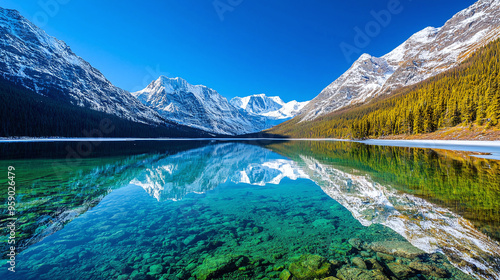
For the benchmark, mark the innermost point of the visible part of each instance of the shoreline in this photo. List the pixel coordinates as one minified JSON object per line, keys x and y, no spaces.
{"x":486,"y":149}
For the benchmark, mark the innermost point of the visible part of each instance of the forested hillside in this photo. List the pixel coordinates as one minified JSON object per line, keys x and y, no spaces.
{"x":25,"y":113}
{"x":468,"y":94}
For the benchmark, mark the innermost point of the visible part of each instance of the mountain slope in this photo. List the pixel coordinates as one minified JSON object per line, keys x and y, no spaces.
{"x":197,"y":106}
{"x":425,"y":54}
{"x":45,"y":65}
{"x":466,"y":95}
{"x":26,"y":113}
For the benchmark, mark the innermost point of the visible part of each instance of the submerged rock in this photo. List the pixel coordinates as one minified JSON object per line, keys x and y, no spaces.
{"x":336,"y":263}
{"x":155,"y":269}
{"x":356,"y":243}
{"x":341,"y":248}
{"x":364,"y":254}
{"x":374,"y":264}
{"x":385,"y":257}
{"x":357,"y":261}
{"x":397,"y":248}
{"x":354,"y":273}
{"x":323,"y":223}
{"x":427,"y":269}
{"x":285,"y":275}
{"x":310,"y":267}
{"x":217,"y":266}
{"x":400,"y":270}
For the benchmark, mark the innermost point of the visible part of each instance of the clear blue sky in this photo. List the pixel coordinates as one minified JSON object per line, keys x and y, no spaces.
{"x":289,"y":48}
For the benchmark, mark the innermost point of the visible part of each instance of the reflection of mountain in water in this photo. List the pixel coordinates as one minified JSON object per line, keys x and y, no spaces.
{"x":425,"y":225}
{"x":55,"y":193}
{"x":53,"y":189}
{"x":196,"y":171}
{"x":53,"y":199}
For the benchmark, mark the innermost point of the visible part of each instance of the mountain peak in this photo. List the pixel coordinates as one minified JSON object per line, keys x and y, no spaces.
{"x":197,"y":106}
{"x":12,"y":14}
{"x":268,"y":106}
{"x":176,"y":83}
{"x":365,"y":56}
{"x":425,"y":54}
{"x":47,"y":66}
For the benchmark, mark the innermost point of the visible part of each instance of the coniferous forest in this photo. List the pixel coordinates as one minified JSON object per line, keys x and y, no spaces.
{"x":25,"y":113}
{"x":466,"y":95}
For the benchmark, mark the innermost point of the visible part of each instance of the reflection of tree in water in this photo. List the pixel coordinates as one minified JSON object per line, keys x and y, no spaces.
{"x":370,"y":198}
{"x":466,"y":185}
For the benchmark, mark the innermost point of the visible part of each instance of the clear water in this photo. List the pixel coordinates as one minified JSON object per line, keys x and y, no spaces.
{"x":258,"y":210}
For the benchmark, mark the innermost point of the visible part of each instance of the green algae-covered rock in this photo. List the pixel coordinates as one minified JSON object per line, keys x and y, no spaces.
{"x":341,"y":248}
{"x":356,"y":243}
{"x":354,"y":273}
{"x":357,"y":261}
{"x":385,"y":257}
{"x":213,"y":267}
{"x":310,"y":267}
{"x":397,"y":248}
{"x":400,"y":270}
{"x":428,"y":269}
{"x":323,"y":223}
{"x":285,"y":275}
{"x":374,"y":264}
{"x":155,"y":269}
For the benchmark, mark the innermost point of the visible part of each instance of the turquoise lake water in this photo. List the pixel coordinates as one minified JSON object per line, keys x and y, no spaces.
{"x":256,"y":210}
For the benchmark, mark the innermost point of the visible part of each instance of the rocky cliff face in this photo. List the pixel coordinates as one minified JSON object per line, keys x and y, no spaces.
{"x":47,"y":66}
{"x":197,"y":106}
{"x":425,"y":54}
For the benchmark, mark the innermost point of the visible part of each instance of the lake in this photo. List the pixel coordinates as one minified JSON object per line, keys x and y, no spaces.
{"x":248,"y":210}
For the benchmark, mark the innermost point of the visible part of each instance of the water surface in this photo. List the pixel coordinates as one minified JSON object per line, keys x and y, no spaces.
{"x":251,"y":210}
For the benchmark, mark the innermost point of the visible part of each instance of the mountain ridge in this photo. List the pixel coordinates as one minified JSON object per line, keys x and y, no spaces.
{"x":196,"y":106}
{"x":42,"y":63}
{"x":272,"y":107}
{"x":204,"y":108}
{"x":425,"y":54}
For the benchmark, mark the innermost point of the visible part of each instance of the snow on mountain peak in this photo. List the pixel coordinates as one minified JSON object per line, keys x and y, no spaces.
{"x":411,"y":46}
{"x":272,"y":107}
{"x":197,"y":106}
{"x":41,"y":63}
{"x":425,"y":54}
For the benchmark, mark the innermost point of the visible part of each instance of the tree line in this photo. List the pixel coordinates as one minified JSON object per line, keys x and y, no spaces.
{"x":26,"y":113}
{"x":465,"y":95}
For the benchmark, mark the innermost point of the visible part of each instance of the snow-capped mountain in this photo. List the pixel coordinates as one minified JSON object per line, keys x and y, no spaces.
{"x":425,"y":54}
{"x":258,"y":103}
{"x":197,"y":106}
{"x":47,"y":66}
{"x":172,"y":177}
{"x":271,"y":107}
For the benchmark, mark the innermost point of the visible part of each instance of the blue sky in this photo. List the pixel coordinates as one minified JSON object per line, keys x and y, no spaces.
{"x":290,"y":48}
